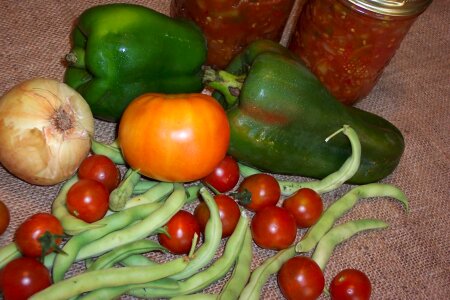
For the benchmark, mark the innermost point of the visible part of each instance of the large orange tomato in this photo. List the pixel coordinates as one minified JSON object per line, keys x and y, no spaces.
{"x":176,"y":138}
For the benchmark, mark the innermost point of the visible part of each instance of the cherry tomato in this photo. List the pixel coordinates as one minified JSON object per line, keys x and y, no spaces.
{"x":350,"y":284}
{"x":228,"y":210}
{"x":263,"y":190}
{"x":181,"y":228}
{"x":23,"y":277}
{"x":4,"y":217}
{"x":100,"y":168}
{"x":178,"y":138}
{"x":88,"y":200}
{"x":28,"y":233}
{"x":274,"y":228}
{"x":301,"y":278}
{"x":306,"y":206}
{"x":225,"y":175}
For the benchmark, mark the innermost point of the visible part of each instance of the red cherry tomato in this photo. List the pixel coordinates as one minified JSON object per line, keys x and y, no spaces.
{"x":225,"y":176}
{"x":228,"y":211}
{"x":263,"y":190}
{"x":181,"y":228}
{"x":274,"y":228}
{"x":28,"y":233}
{"x":301,"y":278}
{"x":88,"y":200}
{"x":4,"y":217}
{"x":100,"y":168}
{"x":350,"y":284}
{"x":306,"y":206}
{"x":23,"y":277}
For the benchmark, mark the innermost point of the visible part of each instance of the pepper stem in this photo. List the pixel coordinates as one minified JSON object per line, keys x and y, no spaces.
{"x":228,"y":84}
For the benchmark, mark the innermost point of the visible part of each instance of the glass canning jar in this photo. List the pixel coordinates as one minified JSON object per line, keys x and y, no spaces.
{"x":230,"y":25}
{"x":348,"y":43}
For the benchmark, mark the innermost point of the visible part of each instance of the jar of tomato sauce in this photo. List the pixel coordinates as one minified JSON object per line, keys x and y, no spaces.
{"x":348,"y":43}
{"x":230,"y":25}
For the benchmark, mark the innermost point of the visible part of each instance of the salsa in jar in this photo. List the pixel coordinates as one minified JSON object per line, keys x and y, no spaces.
{"x":230,"y":25}
{"x":348,"y":43}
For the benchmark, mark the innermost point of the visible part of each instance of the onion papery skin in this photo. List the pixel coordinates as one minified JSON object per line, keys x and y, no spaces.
{"x":45,"y":131}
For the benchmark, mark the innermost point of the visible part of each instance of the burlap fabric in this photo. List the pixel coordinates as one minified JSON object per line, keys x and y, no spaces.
{"x":410,"y":260}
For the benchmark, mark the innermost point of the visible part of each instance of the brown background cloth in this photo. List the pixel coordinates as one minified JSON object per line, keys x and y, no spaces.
{"x":410,"y":260}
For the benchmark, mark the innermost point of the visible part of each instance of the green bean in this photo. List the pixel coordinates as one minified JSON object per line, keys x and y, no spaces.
{"x":136,"y":260}
{"x":192,"y":192}
{"x":156,"y":193}
{"x":118,"y":254}
{"x":110,"y":277}
{"x":143,"y":185}
{"x":120,"y":195}
{"x":335,"y":179}
{"x":8,"y":253}
{"x":340,"y":233}
{"x":342,"y":206}
{"x":140,"y":229}
{"x":260,"y":275}
{"x":241,"y":272}
{"x":202,"y":279}
{"x":330,"y":182}
{"x":112,"y":151}
{"x":71,"y":224}
{"x":111,"y":223}
{"x":199,"y":296}
{"x":213,"y":236}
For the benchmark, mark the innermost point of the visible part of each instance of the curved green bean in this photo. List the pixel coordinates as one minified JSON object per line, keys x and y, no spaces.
{"x":71,"y":224}
{"x":213,"y":235}
{"x":110,"y":277}
{"x":136,"y":260}
{"x":342,"y":206}
{"x":112,"y":223}
{"x":260,"y":275}
{"x":110,"y":150}
{"x":120,"y":195}
{"x":155,"y":194}
{"x":8,"y":253}
{"x":139,"y":230}
{"x":202,"y":279}
{"x":330,"y":182}
{"x":108,"y":259}
{"x":143,"y":185}
{"x":241,"y":272}
{"x":340,"y":233}
{"x":335,"y":179}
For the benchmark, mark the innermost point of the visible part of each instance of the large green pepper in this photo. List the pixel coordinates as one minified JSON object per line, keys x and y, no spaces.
{"x":121,"y":51}
{"x":280,"y":115}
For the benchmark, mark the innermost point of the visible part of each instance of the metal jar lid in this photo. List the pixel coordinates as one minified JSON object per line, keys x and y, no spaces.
{"x":393,"y":7}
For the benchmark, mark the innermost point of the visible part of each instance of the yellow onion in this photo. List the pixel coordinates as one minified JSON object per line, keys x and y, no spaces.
{"x":45,"y":131}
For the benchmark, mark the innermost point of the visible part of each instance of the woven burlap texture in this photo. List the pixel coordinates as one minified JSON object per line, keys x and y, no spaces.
{"x":410,"y":260}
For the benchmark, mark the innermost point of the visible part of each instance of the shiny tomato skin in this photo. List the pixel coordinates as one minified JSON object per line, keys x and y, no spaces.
{"x":23,"y":277}
{"x":273,"y":228}
{"x":350,"y":284}
{"x":229,"y":213}
{"x":181,"y":228}
{"x":29,"y":231}
{"x":225,"y":175}
{"x":264,"y":190}
{"x":306,"y":205}
{"x":88,"y":200}
{"x":175,"y":138}
{"x":301,"y":278}
{"x":4,"y":217}
{"x":100,"y":168}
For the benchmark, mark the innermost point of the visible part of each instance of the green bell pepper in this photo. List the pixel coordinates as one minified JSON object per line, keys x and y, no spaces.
{"x":280,"y":115}
{"x":121,"y":51}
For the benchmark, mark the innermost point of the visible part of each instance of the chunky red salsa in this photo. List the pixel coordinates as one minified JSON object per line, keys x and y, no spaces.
{"x":347,"y":47}
{"x":230,"y":25}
